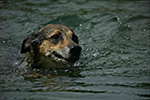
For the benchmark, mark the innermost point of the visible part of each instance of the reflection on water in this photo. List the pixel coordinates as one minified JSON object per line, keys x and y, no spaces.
{"x":114,"y":63}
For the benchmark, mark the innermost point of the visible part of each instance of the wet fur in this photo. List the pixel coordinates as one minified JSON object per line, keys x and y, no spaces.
{"x":43,"y":49}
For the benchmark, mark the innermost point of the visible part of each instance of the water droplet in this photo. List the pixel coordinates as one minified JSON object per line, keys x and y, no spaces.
{"x":95,"y":54}
{"x":16,"y":63}
{"x":4,"y":42}
{"x":80,"y":24}
{"x":147,"y":51}
{"x":55,"y":71}
{"x":66,"y":70}
{"x":126,"y":37}
{"x":120,"y":22}
{"x":121,"y":52}
{"x":143,"y":30}
{"x":118,"y":18}
{"x":126,"y":25}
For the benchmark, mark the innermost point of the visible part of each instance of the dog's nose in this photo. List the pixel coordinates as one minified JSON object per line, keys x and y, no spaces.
{"x":75,"y":49}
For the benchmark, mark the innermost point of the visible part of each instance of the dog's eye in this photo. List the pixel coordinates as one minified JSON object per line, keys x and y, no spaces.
{"x":75,"y":38}
{"x":55,"y":37}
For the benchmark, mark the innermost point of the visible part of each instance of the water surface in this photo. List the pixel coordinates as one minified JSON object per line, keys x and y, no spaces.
{"x":114,"y":35}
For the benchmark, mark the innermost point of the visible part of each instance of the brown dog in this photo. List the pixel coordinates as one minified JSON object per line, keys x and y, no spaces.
{"x":52,"y":46}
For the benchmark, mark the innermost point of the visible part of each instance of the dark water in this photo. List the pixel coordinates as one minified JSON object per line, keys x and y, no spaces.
{"x":115,"y":61}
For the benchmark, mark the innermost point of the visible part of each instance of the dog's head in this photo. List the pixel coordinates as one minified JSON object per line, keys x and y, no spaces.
{"x":54,"y":42}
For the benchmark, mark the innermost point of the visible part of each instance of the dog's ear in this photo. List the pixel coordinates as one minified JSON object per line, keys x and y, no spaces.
{"x":27,"y":42}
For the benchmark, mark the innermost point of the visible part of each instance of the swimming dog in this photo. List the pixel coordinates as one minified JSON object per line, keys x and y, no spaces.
{"x":52,"y":46}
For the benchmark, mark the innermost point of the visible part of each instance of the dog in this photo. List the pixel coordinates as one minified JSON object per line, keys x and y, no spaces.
{"x":52,"y":46}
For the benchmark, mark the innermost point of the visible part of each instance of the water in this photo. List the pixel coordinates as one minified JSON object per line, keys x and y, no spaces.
{"x":114,"y":35}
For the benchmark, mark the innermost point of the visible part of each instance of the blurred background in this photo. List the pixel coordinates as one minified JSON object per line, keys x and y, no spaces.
{"x":114,"y":35}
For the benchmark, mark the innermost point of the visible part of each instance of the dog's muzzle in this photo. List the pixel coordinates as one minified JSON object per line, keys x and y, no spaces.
{"x":69,"y":54}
